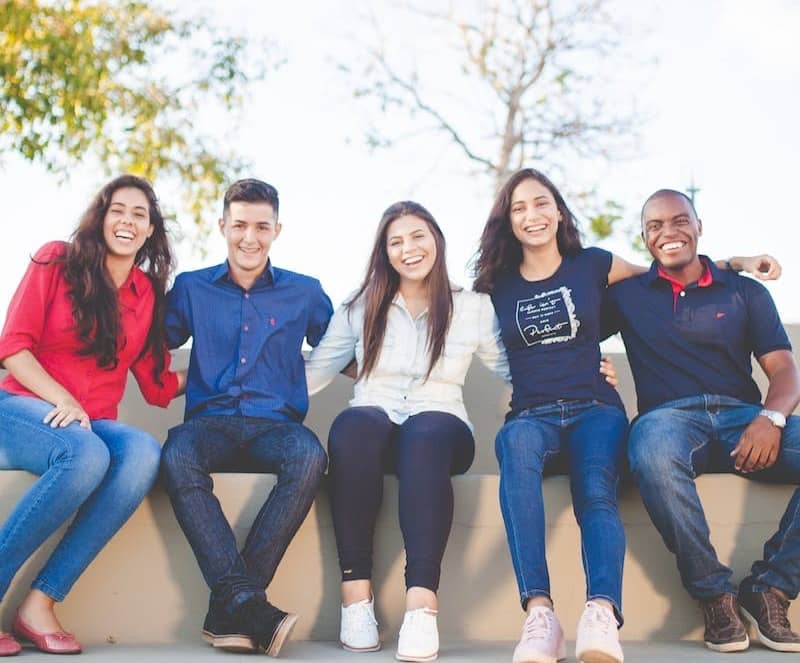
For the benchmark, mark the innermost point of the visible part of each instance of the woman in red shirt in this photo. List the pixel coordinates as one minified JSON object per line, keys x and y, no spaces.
{"x":85,"y":312}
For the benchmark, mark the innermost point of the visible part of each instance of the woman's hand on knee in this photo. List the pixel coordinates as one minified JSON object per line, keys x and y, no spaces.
{"x":65,"y":412}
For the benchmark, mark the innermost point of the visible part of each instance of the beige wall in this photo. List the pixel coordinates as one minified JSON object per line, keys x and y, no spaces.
{"x":145,"y":585}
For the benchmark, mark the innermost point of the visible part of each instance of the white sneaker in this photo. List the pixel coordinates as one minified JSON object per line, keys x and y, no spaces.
{"x":542,"y":638}
{"x":359,"y":628}
{"x":419,"y":636}
{"x":598,"y":637}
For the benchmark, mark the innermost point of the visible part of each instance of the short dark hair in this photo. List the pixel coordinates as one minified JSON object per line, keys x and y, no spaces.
{"x":667,"y":192}
{"x":250,"y":190}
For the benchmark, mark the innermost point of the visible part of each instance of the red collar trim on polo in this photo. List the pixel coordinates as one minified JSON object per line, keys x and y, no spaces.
{"x":705,"y":280}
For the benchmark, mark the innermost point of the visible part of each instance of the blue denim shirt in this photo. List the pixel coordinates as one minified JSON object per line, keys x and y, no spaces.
{"x":246,"y":351}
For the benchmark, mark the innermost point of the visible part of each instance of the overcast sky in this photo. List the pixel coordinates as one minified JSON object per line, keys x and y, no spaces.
{"x":721,"y":107}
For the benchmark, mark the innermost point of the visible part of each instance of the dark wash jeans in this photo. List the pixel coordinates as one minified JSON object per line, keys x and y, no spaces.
{"x":671,"y":445}
{"x":233,"y":443}
{"x":587,"y":439}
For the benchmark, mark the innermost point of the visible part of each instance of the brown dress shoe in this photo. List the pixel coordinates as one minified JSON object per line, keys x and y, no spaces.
{"x":767,"y":612}
{"x":725,"y":631}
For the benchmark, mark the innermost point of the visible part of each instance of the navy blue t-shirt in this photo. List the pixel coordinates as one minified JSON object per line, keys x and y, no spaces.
{"x":551,"y":330}
{"x":696,"y":341}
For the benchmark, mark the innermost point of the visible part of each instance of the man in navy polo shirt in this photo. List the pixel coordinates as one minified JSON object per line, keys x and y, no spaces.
{"x":690,"y":330}
{"x":245,"y":400}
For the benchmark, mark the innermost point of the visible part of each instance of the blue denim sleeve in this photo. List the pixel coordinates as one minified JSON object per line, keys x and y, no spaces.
{"x":177,"y":319}
{"x":321,"y":312}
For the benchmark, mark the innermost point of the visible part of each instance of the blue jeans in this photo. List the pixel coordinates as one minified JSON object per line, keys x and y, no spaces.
{"x":103,"y":474}
{"x":234,"y":443}
{"x":587,"y":439}
{"x":674,"y":443}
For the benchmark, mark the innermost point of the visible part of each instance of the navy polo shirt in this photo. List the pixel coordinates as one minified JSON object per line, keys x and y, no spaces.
{"x":698,"y":340}
{"x":551,"y":332}
{"x":246,"y":351}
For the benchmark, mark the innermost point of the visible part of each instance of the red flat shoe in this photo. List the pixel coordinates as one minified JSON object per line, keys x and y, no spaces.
{"x":8,"y":646}
{"x":59,"y":642}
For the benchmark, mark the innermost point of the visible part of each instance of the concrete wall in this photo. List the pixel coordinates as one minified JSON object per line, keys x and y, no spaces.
{"x":145,"y":585}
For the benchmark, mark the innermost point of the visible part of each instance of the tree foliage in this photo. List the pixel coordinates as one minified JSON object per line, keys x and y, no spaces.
{"x":530,"y":88}
{"x":123,"y":83}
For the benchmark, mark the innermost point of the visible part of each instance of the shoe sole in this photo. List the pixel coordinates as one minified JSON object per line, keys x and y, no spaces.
{"x":358,"y":650}
{"x":595,"y":656}
{"x":727,"y":647}
{"x":416,"y":659}
{"x":281,"y":634}
{"x":772,"y":644}
{"x":232,"y":642}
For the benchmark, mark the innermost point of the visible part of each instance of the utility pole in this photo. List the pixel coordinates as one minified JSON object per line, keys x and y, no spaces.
{"x":693,"y":190}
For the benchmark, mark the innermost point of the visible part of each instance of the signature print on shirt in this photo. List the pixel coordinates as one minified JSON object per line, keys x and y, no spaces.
{"x":548,"y":317}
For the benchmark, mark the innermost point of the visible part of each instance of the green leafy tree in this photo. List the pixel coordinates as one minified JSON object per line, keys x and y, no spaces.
{"x":126,"y":84}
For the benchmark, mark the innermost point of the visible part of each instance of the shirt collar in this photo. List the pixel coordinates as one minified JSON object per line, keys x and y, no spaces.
{"x":711,"y":275}
{"x":222,"y":272}
{"x":136,"y":282}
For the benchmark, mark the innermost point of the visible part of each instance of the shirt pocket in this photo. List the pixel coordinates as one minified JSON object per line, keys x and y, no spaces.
{"x":454,"y":362}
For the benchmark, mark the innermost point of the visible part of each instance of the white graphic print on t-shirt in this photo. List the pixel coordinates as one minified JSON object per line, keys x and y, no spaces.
{"x":548,"y":317}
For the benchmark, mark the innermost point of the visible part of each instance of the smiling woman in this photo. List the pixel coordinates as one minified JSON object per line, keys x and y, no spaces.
{"x":85,"y":313}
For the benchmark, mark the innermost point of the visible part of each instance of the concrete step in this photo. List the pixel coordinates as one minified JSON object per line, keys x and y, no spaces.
{"x":457,"y":651}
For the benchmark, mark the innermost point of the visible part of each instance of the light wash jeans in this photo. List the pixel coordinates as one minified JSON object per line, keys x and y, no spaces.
{"x":674,"y":443}
{"x":103,"y":474}
{"x":587,"y":440}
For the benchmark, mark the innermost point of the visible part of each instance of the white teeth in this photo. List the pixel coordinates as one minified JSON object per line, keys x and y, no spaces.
{"x":412,"y":261}
{"x":669,"y":246}
{"x":123,"y":235}
{"x":534,"y":229}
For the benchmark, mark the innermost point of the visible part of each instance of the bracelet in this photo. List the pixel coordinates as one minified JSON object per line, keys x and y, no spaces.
{"x":729,"y":266}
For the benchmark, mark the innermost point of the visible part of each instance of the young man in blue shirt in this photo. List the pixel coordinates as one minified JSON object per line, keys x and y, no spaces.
{"x":245,"y":400}
{"x":690,"y":330}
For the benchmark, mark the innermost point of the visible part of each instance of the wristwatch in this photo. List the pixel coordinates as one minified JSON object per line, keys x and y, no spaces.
{"x":777,"y":418}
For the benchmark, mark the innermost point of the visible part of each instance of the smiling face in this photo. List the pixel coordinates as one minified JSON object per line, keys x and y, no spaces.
{"x":249,"y":230}
{"x":126,"y":225}
{"x":671,"y":229}
{"x":411,"y":248}
{"x":533,"y":214}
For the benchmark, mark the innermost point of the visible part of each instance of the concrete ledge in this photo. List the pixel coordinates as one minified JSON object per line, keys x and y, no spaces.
{"x":145,"y":586}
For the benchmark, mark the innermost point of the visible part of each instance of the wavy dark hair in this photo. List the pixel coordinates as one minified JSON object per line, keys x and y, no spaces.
{"x":95,"y":305}
{"x":499,"y":250}
{"x":381,"y":283}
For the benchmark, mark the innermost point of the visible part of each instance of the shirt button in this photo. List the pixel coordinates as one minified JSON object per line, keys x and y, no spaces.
{"x":246,"y":327}
{"x":405,"y":398}
{"x":683,"y":293}
{"x":243,"y":360}
{"x":247,"y":295}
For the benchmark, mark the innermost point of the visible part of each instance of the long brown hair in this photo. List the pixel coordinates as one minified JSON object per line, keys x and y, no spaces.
{"x":381,"y":283}
{"x":499,"y":250}
{"x":95,"y":305}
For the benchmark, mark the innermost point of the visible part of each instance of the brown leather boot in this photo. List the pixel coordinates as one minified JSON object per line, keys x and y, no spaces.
{"x":725,"y":631}
{"x":767,"y":612}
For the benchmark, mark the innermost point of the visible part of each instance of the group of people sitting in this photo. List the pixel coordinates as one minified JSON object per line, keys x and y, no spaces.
{"x":90,"y":309}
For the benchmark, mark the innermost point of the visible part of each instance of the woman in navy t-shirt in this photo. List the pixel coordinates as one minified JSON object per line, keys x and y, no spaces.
{"x":547,"y":291}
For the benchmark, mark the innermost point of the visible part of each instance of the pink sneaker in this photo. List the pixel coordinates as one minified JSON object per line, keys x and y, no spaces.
{"x":542,"y":638}
{"x":598,"y":636}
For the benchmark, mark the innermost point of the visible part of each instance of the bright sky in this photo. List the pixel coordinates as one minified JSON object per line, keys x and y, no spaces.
{"x":722,"y":104}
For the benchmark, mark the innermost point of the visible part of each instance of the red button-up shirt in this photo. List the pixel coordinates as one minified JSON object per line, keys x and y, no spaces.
{"x":40,"y":320}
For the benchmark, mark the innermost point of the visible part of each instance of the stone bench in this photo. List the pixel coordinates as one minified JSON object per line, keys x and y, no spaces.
{"x":145,"y":586}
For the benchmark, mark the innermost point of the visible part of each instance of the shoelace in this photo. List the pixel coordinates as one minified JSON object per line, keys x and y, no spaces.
{"x":418,"y":619}
{"x":598,"y":618}
{"x":776,"y":610}
{"x":538,"y":626}
{"x":366,"y":620}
